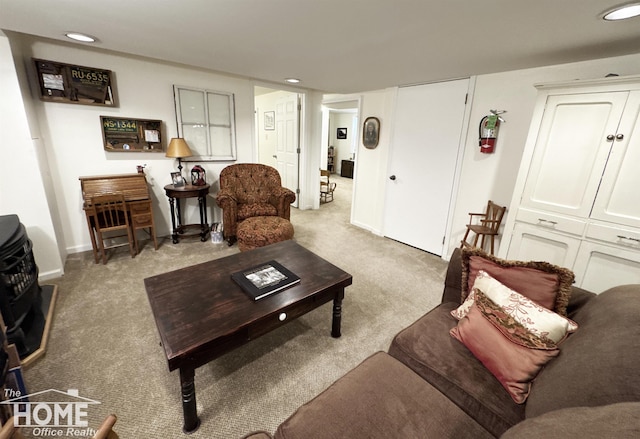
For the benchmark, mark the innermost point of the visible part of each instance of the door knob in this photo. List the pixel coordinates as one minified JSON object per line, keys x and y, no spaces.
{"x":620,"y":136}
{"x":393,"y":177}
{"x":610,"y":137}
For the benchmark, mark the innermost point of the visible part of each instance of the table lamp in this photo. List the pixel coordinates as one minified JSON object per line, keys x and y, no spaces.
{"x":179,"y":149}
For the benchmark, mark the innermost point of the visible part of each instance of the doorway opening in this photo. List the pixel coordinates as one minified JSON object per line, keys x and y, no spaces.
{"x":339,"y":145}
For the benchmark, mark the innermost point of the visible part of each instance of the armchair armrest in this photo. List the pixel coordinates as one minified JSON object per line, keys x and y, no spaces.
{"x":282,"y":199}
{"x":229,"y":205}
{"x":225,"y":196}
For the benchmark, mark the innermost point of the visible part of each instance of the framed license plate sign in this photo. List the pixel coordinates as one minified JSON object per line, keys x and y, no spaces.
{"x":59,"y":82}
{"x":131,"y":135}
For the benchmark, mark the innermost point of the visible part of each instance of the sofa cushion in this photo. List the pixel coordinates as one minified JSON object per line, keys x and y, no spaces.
{"x":427,"y":348}
{"x":544,"y":283}
{"x":537,"y":319}
{"x":620,"y":420}
{"x":510,"y":351}
{"x":598,"y":364}
{"x":380,"y":398}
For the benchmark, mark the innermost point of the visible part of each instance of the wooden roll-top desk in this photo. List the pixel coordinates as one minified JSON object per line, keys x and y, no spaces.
{"x":136,"y":194}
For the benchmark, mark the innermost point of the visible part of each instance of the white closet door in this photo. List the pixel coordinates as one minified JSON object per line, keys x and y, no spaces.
{"x":618,"y":198}
{"x":422,"y":163}
{"x":571,"y":151}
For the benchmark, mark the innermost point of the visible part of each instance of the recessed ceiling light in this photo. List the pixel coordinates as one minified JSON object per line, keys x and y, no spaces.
{"x":622,"y":12}
{"x":81,"y":37}
{"x":292,"y":80}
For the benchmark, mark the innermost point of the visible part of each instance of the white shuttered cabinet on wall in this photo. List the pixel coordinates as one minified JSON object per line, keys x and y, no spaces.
{"x":577,"y":198}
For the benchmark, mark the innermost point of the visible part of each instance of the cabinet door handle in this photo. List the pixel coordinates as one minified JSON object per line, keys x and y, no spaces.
{"x":546,"y":221}
{"x":620,"y":136}
{"x":628,"y":238}
{"x":610,"y":137}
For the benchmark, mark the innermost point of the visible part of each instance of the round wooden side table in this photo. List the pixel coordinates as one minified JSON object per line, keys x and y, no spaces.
{"x":175,"y":194}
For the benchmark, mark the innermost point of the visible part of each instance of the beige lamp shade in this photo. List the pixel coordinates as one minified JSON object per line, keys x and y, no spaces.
{"x":178,"y":148}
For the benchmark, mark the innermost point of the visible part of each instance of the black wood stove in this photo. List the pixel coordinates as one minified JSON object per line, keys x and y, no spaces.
{"x":20,"y":293}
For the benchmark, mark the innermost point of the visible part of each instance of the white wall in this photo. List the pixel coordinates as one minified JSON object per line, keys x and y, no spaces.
{"x":492,"y":176}
{"x":483,"y":176}
{"x":61,"y":142}
{"x":23,"y":183}
{"x":71,"y":138}
{"x":371,"y":164}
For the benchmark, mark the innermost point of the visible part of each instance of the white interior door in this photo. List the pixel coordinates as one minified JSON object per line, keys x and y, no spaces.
{"x":288,"y":141}
{"x":424,"y":148}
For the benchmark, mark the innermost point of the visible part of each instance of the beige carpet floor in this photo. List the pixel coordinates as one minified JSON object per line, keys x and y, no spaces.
{"x":103,"y":340}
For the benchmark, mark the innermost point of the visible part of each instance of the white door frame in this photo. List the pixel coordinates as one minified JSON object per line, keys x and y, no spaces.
{"x":466,"y":124}
{"x":342,"y":102}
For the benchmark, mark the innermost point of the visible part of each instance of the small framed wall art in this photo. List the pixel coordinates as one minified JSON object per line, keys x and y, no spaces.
{"x":371,"y":132}
{"x":270,"y":120}
{"x":342,"y":133}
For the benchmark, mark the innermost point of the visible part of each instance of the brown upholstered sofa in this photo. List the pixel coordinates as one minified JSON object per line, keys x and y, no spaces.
{"x":249,"y":190}
{"x":429,"y":385}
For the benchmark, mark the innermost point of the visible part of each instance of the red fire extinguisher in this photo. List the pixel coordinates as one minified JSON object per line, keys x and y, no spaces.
{"x":488,"y":131}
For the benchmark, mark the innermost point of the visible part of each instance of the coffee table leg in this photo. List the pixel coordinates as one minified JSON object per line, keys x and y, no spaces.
{"x":191,"y":421}
{"x":337,"y":314}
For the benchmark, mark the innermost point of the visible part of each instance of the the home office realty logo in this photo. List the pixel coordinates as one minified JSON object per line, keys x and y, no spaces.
{"x":51,"y":412}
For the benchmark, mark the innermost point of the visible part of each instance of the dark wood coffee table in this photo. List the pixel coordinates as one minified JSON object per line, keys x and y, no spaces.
{"x":201,"y":313}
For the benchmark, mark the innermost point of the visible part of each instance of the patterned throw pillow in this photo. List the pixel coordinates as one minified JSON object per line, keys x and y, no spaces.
{"x":544,"y":283}
{"x":535,"y":318}
{"x":507,"y":349}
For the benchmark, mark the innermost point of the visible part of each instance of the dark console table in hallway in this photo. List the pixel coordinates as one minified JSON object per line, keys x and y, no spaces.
{"x":346,"y":168}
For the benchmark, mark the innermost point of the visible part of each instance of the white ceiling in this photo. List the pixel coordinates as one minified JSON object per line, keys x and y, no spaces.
{"x":339,"y":46}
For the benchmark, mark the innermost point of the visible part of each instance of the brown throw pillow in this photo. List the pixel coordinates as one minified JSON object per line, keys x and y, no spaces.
{"x":546,"y":284}
{"x":505,"y":347}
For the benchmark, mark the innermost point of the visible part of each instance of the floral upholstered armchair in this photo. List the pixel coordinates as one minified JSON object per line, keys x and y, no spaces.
{"x":248,"y":190}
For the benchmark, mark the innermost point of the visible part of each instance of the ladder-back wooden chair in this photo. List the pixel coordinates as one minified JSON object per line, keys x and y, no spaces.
{"x":487,"y":224}
{"x":326,"y":187}
{"x":110,"y":214}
